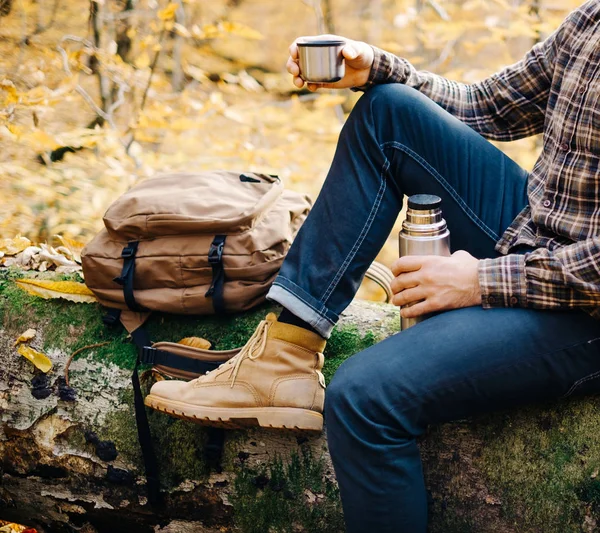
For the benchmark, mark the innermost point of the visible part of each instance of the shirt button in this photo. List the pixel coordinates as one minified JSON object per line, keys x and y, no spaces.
{"x":547,"y":203}
{"x":564,"y":147}
{"x":491,"y":300}
{"x":514,"y":300}
{"x":581,"y":90}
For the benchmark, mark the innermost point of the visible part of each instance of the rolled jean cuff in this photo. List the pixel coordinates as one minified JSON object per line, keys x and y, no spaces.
{"x":304,"y":306}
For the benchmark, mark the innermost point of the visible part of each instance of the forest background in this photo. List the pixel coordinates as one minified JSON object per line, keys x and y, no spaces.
{"x":97,"y":95}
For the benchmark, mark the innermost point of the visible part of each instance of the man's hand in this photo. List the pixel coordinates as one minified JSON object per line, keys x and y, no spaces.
{"x":358,"y":55}
{"x":430,"y":283}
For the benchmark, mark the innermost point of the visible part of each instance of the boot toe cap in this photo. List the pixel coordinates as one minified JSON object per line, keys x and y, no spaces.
{"x":170,"y":389}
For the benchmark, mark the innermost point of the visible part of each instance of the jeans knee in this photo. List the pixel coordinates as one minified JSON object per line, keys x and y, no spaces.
{"x":362,"y":399}
{"x":392,"y":96}
{"x":343,"y":394}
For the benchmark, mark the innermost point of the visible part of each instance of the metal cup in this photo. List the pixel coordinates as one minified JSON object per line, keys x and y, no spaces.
{"x":321,"y":61}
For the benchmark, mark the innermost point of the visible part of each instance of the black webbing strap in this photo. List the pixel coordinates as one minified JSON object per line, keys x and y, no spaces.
{"x":213,"y":448}
{"x":152,"y":356}
{"x":215,"y":439}
{"x":215,"y":258}
{"x":127,"y":275}
{"x":140,"y":337}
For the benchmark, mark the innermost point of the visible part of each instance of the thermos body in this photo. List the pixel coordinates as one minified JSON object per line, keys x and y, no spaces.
{"x":424,"y":232}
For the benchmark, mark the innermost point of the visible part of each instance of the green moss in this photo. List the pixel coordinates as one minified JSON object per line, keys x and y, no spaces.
{"x":66,"y":325}
{"x":287,"y":497}
{"x":542,"y":464}
{"x":179,"y":445}
{"x":345,"y":342}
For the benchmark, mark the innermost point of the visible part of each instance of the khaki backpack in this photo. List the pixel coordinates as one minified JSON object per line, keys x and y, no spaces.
{"x":194,"y":243}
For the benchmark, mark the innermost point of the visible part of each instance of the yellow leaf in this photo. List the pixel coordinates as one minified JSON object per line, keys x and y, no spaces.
{"x":14,"y":246}
{"x":37,"y":358}
{"x":47,"y":289}
{"x":241,"y":30}
{"x":195,"y":342}
{"x":26,"y":336}
{"x":168,"y":13}
{"x":143,"y":60}
{"x":40,"y":140}
{"x":11,"y":94}
{"x":15,"y":130}
{"x":75,"y":247}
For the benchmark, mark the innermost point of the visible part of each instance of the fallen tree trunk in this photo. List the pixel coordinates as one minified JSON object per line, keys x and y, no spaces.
{"x":76,"y":464}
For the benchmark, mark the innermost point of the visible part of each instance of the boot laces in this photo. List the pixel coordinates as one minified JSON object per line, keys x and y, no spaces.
{"x":252,"y":350}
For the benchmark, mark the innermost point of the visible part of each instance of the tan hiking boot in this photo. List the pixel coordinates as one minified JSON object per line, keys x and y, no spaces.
{"x":275,"y":381}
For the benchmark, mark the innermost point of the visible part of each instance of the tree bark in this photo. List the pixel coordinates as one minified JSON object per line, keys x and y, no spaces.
{"x":76,"y":464}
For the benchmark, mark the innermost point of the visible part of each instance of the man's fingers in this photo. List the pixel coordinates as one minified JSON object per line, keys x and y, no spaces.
{"x":409,"y":263}
{"x":292,"y":67}
{"x":416,"y":310}
{"x":298,"y":82}
{"x":409,"y":296}
{"x":349,"y":52}
{"x":407,"y":280}
{"x":294,"y":50}
{"x":314,"y":86}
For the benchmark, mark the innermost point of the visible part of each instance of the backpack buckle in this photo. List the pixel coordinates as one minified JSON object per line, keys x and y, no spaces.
{"x":111,"y":317}
{"x":148,"y":355}
{"x":130,"y":250}
{"x":215,"y":252}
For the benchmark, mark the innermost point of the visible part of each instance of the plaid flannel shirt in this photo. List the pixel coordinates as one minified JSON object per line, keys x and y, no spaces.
{"x":554,"y":90}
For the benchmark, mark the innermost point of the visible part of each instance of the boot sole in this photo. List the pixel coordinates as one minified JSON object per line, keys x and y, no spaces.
{"x":239,"y":418}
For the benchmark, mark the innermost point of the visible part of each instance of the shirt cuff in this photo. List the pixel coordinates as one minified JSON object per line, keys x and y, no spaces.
{"x":502,"y":281}
{"x":383,"y":70}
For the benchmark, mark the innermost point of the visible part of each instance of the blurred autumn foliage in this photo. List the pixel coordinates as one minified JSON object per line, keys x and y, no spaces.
{"x":96,"y":95}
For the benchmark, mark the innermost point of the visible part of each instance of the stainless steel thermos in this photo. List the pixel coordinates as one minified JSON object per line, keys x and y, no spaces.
{"x":424,"y":232}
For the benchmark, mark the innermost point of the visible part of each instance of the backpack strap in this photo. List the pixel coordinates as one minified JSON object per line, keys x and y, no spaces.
{"x":127,"y":274}
{"x":153,"y":356}
{"x":145,"y":438}
{"x":215,"y":258}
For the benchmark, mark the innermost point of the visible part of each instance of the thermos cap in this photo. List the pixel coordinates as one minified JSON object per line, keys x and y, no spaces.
{"x":423,"y":202}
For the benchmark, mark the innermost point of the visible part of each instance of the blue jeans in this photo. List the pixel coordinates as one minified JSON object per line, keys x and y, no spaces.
{"x":454,"y":365}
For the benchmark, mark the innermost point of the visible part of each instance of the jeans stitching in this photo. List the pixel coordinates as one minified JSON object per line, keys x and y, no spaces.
{"x":362,"y":236}
{"x":436,"y":175}
{"x":320,"y":313}
{"x":580,"y":382}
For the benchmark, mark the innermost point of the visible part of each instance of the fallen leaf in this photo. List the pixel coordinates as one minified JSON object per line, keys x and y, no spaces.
{"x":68,"y":290}
{"x":492,"y":500}
{"x":38,"y":359}
{"x":26,"y":336}
{"x":241,"y":30}
{"x":168,"y":13}
{"x":14,"y":246}
{"x":50,"y":254}
{"x":196,"y":342}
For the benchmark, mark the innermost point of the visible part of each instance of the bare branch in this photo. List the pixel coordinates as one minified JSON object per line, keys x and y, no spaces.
{"x":41,"y":28}
{"x":316,"y":5}
{"x":446,"y":52}
{"x":65,"y":59}
{"x":443,"y":14}
{"x":153,"y":68}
